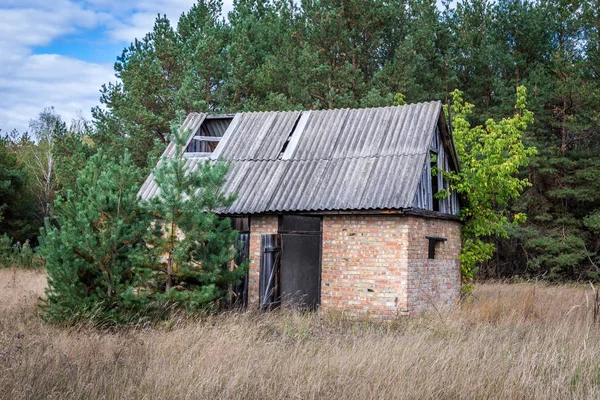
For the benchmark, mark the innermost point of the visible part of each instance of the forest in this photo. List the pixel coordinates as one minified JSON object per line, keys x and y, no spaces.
{"x":323,"y":54}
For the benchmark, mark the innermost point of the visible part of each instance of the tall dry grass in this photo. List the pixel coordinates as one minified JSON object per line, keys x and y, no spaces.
{"x":508,"y":341}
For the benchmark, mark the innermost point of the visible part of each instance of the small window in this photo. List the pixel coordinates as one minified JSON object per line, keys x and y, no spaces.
{"x":433,"y":240}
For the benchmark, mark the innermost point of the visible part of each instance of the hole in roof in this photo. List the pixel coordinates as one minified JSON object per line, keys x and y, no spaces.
{"x":289,"y":138}
{"x":210,"y":133}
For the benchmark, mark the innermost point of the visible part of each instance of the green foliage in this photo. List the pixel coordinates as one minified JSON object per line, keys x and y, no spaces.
{"x":282,"y":55}
{"x":111,"y":259}
{"x":272,"y":55}
{"x":399,"y":99}
{"x":491,"y":157}
{"x":17,"y":206}
{"x":191,"y":245}
{"x":71,"y":152}
{"x":43,"y":165}
{"x":17,"y":255}
{"x":94,"y":247}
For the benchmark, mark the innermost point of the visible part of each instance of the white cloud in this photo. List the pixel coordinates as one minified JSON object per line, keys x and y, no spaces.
{"x":47,"y":80}
{"x":29,"y":82}
{"x":141,"y":17}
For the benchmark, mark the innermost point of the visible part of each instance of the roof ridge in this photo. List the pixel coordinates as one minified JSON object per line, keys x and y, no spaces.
{"x":416,"y":153}
{"x":322,"y":109}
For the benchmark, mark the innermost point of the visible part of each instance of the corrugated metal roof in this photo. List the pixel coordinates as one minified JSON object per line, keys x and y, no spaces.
{"x":368,"y":132}
{"x":344,"y":159}
{"x":311,"y":185}
{"x":258,"y":136}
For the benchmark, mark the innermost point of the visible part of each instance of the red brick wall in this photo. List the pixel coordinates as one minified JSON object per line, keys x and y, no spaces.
{"x":259,"y":225}
{"x":364,"y":268}
{"x":378,"y":265}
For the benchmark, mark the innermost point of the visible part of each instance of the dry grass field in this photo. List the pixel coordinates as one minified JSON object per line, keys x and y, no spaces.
{"x":515,"y":341}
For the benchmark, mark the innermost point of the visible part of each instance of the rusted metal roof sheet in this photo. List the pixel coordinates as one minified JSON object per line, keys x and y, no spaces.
{"x":348,"y":159}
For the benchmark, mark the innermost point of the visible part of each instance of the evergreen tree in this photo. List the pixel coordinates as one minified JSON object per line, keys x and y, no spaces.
{"x":9,"y":177}
{"x":191,"y":244}
{"x":94,"y":248}
{"x":561,"y":241}
{"x":141,"y":105}
{"x":283,"y":55}
{"x":418,"y":42}
{"x":17,"y":206}
{"x":203,"y":36}
{"x":71,"y":151}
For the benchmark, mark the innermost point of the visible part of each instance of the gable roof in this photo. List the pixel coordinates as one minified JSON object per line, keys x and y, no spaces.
{"x":345,"y":159}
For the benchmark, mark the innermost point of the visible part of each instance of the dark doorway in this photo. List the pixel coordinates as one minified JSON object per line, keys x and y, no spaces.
{"x":239,"y":296}
{"x":300,"y":276}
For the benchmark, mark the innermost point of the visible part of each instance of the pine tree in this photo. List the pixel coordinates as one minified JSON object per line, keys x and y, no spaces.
{"x":94,"y":248}
{"x":191,"y":244}
{"x":17,"y":205}
{"x":9,"y":175}
{"x":203,"y":37}
{"x":139,"y":108}
{"x":561,"y":239}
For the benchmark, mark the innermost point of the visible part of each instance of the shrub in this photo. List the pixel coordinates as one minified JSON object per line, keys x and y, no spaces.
{"x":94,"y":247}
{"x":17,"y":255}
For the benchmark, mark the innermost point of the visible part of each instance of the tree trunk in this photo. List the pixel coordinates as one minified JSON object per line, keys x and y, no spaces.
{"x":497,"y":258}
{"x":169,"y":272}
{"x":170,"y":258}
{"x":563,"y":140}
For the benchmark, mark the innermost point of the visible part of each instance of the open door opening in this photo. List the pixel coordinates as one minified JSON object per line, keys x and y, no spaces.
{"x":239,"y":296}
{"x":290,"y":264}
{"x":301,"y":243}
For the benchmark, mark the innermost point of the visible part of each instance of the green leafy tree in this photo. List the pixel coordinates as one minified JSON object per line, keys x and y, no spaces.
{"x":94,"y":247}
{"x":40,"y":158}
{"x":491,"y":157}
{"x":191,"y":244}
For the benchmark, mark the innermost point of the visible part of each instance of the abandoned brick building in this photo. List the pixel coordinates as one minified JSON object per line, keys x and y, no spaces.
{"x":337,"y":207}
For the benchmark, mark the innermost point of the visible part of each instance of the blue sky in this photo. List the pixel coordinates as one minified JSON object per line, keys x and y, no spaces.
{"x":59,"y":52}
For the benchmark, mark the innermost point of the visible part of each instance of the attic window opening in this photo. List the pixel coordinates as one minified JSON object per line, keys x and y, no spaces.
{"x":289,"y":138}
{"x":209,"y":134}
